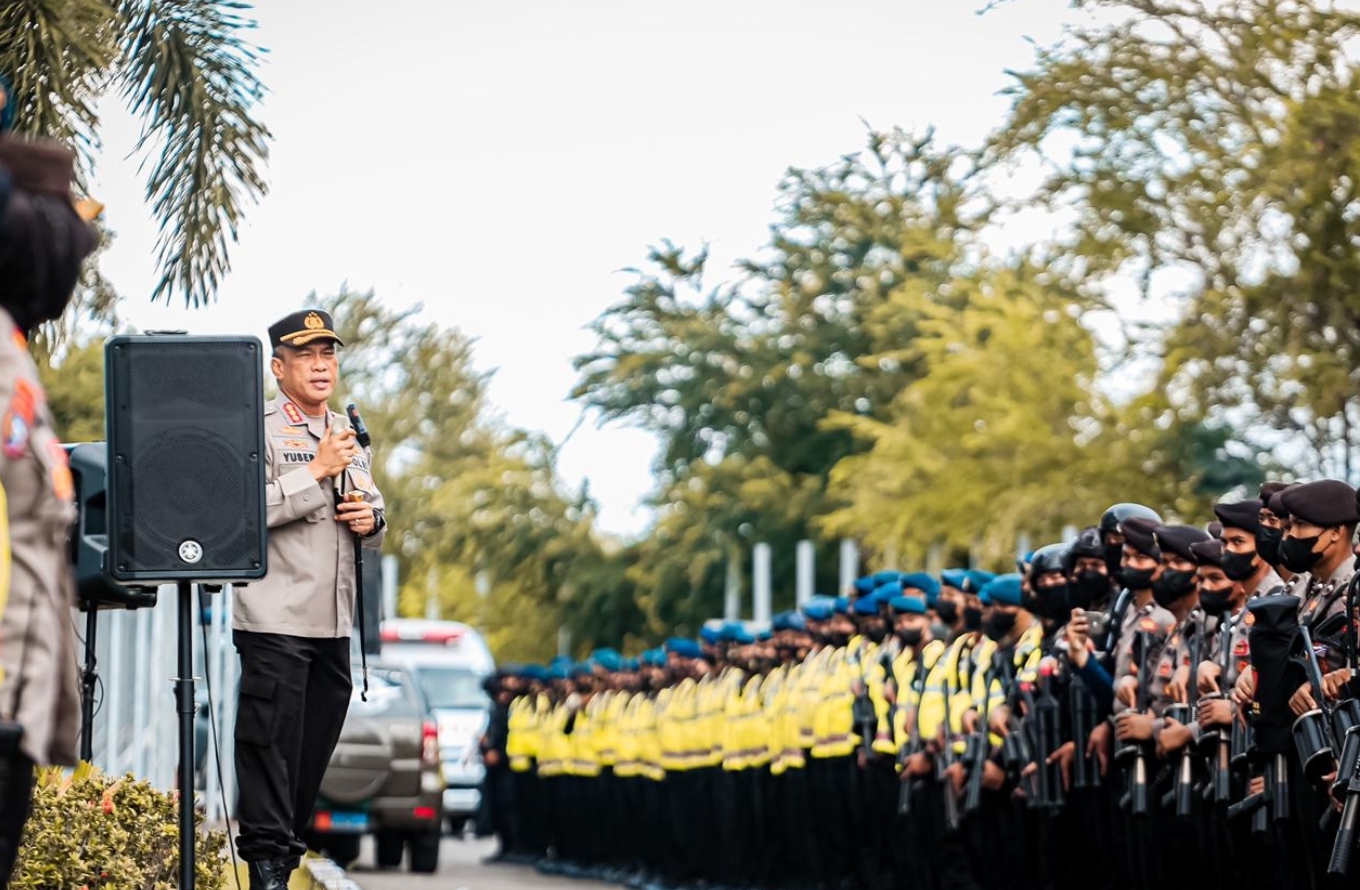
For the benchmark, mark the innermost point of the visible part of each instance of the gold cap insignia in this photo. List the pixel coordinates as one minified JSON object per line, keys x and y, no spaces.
{"x":313,"y":322}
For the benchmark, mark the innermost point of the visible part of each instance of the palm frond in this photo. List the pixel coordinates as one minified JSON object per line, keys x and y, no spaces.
{"x":56,"y":54}
{"x":189,"y":73}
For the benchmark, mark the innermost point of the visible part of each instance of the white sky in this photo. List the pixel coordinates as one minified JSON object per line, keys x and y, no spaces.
{"x":500,"y":161}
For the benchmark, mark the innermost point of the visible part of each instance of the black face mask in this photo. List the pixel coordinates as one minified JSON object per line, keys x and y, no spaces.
{"x":1113,"y":554}
{"x":1136,"y":579}
{"x":972,"y":618}
{"x":1172,"y":586}
{"x":911,"y":637}
{"x":1268,"y":544}
{"x":948,"y":610}
{"x":1239,"y":566}
{"x":877,"y":633}
{"x":998,"y":625}
{"x":1298,"y":555}
{"x":1215,"y":601}
{"x":1088,"y":586}
{"x":838,"y":639}
{"x":1051,"y":602}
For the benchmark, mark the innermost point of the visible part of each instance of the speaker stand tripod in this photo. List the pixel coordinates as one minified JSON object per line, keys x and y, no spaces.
{"x":184,"y":704}
{"x":89,"y":680}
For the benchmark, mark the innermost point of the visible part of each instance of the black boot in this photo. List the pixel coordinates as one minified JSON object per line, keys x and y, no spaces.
{"x":270,"y":874}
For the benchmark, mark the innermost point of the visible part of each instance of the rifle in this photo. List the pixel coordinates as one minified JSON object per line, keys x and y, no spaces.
{"x":979,"y":745}
{"x":1182,"y":791}
{"x":1047,"y":718}
{"x":1218,"y":745}
{"x":862,"y":709}
{"x":942,"y":765}
{"x":1346,"y":788}
{"x":1135,"y":753}
{"x":1313,"y":731}
{"x":1085,"y":770}
{"x":913,"y":746}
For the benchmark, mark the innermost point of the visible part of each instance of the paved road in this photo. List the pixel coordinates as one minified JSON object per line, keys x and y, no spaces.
{"x":460,"y":868}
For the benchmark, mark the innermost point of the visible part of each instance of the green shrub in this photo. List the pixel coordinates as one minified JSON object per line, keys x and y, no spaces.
{"x":89,"y":831}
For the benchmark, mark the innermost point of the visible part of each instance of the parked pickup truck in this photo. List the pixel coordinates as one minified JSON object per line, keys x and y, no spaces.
{"x":384,"y":778}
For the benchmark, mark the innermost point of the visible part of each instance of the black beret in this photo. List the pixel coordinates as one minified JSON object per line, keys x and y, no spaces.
{"x":1269,"y":489}
{"x":1178,"y":538}
{"x":301,"y":328}
{"x":1325,"y":502}
{"x":1245,"y":515}
{"x":1208,"y":553}
{"x":1214,"y":528}
{"x":1138,"y":534}
{"x":1276,"y":504}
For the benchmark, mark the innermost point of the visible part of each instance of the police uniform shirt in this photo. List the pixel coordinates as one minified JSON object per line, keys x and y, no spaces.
{"x":1232,"y":632}
{"x":310,"y":588}
{"x":1321,"y":598}
{"x":38,"y":660}
{"x":1153,"y":620}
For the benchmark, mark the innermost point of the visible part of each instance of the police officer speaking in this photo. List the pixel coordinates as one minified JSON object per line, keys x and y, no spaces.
{"x":292,"y":628}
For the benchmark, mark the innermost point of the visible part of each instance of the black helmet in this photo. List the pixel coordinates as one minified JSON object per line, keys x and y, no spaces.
{"x":1109,"y":523}
{"x":1088,"y":543}
{"x":1048,"y":558}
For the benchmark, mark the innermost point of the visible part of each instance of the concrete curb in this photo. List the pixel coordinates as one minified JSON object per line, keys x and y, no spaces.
{"x":323,"y":874}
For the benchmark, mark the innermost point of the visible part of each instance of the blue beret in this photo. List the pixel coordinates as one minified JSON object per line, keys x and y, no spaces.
{"x":559,"y":672}
{"x":535,"y":672}
{"x":977,"y":579}
{"x":561,"y":661}
{"x":609,"y":659}
{"x":655,"y":657}
{"x":732,"y":632}
{"x":955,"y":578}
{"x":881,"y":578}
{"x":764,"y":635}
{"x":841,"y":605}
{"x":908,"y":605}
{"x":684,"y":648}
{"x":866,"y":605}
{"x":1003,"y":590}
{"x":784,"y":621}
{"x":742,"y":637}
{"x":865,"y":584}
{"x":583,"y":668}
{"x":923,"y":582}
{"x":817,"y":610}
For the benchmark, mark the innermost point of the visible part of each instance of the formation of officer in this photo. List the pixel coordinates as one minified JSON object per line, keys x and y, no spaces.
{"x":1152,"y":701}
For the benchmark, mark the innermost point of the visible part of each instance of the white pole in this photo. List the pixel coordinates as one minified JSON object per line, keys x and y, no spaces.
{"x":432,"y":594}
{"x":849,"y":564}
{"x":389,"y":587}
{"x":761,"y":585}
{"x":732,"y":588}
{"x":807,"y":567}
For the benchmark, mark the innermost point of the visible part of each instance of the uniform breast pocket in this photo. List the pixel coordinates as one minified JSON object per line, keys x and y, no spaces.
{"x":256,"y":711}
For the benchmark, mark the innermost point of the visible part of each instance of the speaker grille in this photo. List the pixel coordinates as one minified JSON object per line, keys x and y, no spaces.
{"x":186,"y":438}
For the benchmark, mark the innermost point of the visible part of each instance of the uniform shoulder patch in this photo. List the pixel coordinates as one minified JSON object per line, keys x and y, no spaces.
{"x":293,"y":413}
{"x":63,"y":484}
{"x":20,"y":416}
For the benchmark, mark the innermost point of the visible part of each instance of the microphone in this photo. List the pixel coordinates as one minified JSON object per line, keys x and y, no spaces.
{"x":360,"y":431}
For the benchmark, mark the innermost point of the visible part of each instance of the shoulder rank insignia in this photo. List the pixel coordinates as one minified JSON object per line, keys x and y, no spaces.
{"x":293,"y":413}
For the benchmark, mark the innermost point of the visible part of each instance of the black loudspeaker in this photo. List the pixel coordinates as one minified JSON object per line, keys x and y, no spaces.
{"x":185,"y":458}
{"x":90,"y":535}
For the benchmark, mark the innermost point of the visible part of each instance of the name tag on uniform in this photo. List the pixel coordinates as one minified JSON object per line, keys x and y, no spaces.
{"x":296,"y":457}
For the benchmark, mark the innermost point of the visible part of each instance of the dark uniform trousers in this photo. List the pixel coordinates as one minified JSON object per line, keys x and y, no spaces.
{"x":294,"y":694}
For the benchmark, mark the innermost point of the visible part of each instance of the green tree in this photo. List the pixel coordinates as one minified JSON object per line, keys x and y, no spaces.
{"x":737,"y":379}
{"x":185,"y":68}
{"x":1210,"y":149}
